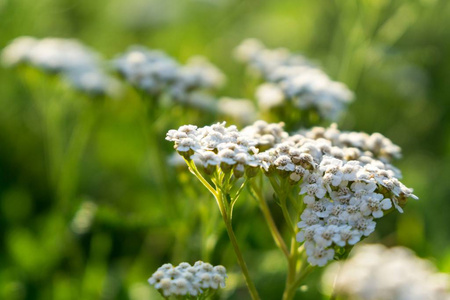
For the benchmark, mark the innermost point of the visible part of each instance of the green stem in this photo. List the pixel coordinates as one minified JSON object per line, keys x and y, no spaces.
{"x":290,"y":290}
{"x":221,"y":198}
{"x":193,"y":170}
{"x":257,"y":194}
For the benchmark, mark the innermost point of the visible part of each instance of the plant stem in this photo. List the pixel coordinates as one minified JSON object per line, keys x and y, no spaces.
{"x":290,"y":290}
{"x":193,"y":170}
{"x":226,"y":218}
{"x":257,"y":194}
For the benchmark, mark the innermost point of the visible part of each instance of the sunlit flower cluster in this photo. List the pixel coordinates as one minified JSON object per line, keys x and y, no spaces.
{"x":185,"y":279}
{"x":343,"y":188}
{"x":372,"y":145}
{"x":293,"y":81}
{"x":376,"y":272}
{"x":79,"y":65}
{"x":216,"y":146}
{"x":155,"y":72}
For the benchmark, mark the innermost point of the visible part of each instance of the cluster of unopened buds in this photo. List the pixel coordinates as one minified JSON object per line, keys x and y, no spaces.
{"x":344,"y":180}
{"x":80,"y":66}
{"x":292,"y":80}
{"x":189,"y":282}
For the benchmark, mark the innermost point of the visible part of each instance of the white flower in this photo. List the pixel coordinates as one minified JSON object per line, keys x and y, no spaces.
{"x":307,"y":234}
{"x":319,"y":256}
{"x":322,"y":208}
{"x":208,"y":159}
{"x":374,"y":205}
{"x":308,"y":219}
{"x":349,"y":170}
{"x":323,"y":235}
{"x":18,"y":50}
{"x":346,"y":235}
{"x":361,"y":188}
{"x":311,"y":191}
{"x":365,"y":225}
{"x":269,"y":95}
{"x":284,"y":163}
{"x":186,"y":145}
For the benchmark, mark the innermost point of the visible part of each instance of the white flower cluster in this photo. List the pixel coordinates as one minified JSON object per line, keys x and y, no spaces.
{"x":266,"y":61}
{"x":185,"y":279}
{"x":216,"y":146}
{"x":293,"y":79}
{"x":344,"y":189}
{"x":79,"y":65}
{"x":49,"y":54}
{"x":376,"y":272}
{"x":374,"y":145}
{"x":155,"y":72}
{"x":149,"y":70}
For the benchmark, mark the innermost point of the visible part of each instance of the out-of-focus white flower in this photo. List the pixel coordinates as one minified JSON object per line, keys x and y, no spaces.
{"x":18,"y":50}
{"x":154,"y":72}
{"x":294,"y":80}
{"x":376,"y":272}
{"x":82,"y":221}
{"x":248,"y":50}
{"x":79,"y":65}
{"x":185,"y":279}
{"x":242,"y":110}
{"x":197,"y":75}
{"x":269,"y":95}
{"x":93,"y":81}
{"x":50,"y":54}
{"x":149,"y":70}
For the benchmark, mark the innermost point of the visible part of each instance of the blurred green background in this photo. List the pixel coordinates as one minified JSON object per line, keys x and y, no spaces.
{"x":111,"y":220}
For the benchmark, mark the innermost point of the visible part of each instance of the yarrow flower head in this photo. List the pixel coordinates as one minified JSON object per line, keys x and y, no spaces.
{"x":216,"y":146}
{"x":377,"y":272}
{"x":345,"y":187}
{"x":186,"y":280}
{"x":80,"y":66}
{"x":293,"y":81}
{"x":147,"y":70}
{"x":155,"y":72}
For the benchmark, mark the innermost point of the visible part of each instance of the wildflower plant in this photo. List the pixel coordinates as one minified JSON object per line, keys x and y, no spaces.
{"x":331,"y":186}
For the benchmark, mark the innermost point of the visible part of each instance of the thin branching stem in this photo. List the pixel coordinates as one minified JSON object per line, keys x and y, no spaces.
{"x":256,"y":193}
{"x":221,"y":199}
